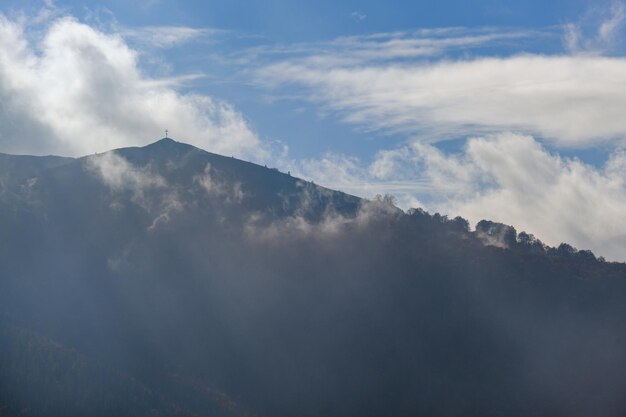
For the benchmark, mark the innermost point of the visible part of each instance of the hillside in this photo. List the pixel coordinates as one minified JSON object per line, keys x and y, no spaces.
{"x":166,"y":280}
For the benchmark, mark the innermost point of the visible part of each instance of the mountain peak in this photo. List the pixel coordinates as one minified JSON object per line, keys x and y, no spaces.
{"x":169,"y":145}
{"x":165,"y":142}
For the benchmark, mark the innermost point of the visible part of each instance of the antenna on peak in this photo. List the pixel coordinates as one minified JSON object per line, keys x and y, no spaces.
{"x":166,"y":132}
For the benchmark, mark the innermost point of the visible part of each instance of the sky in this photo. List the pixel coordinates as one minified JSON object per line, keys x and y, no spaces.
{"x":503,"y":110}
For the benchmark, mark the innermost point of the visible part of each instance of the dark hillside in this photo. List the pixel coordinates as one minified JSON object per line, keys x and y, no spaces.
{"x":206,"y":285}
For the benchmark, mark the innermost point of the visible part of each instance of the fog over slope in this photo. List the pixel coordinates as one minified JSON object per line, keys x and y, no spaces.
{"x":166,"y":280}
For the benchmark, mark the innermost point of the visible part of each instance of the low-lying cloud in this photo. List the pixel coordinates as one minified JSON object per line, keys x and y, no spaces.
{"x":145,"y":187}
{"x":509,"y":178}
{"x":230,"y":192}
{"x":257,"y":227}
{"x":119,"y":174}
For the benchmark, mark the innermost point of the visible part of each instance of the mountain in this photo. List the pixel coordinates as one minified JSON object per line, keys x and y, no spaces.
{"x":17,"y":168}
{"x":166,"y":281}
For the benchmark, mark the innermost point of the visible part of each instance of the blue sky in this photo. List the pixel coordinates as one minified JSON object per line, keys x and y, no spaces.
{"x":311,"y":21}
{"x":510,"y":111}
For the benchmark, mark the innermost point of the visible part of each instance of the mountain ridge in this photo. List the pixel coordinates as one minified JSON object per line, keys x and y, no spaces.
{"x":168,"y":147}
{"x":214,"y":281}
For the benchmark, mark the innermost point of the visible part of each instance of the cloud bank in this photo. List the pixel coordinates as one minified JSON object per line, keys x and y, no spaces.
{"x":76,"y":90}
{"x":509,"y":178}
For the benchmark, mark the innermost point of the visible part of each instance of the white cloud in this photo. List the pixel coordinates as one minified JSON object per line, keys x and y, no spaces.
{"x":508,"y":178}
{"x":571,"y":100}
{"x":555,"y":198}
{"x":398,"y":83}
{"x":434,"y":84}
{"x":258,"y":229}
{"x":79,"y":90}
{"x":353,"y":176}
{"x":118,"y":174}
{"x":121,"y":177}
{"x":229,"y":192}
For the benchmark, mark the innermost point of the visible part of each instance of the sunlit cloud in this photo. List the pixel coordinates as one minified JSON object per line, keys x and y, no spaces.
{"x":506,"y":177}
{"x":78,"y":90}
{"x":570,"y":100}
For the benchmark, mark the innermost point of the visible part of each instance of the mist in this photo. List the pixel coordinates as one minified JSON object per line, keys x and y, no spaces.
{"x":166,"y":280}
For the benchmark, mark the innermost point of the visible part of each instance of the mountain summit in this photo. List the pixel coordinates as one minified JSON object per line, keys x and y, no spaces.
{"x":169,"y":281}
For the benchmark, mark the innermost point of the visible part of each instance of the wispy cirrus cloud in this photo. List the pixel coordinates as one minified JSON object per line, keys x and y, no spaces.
{"x":444,"y":83}
{"x":385,"y":47}
{"x":167,"y":36}
{"x":597,"y":32}
{"x":570,"y":100}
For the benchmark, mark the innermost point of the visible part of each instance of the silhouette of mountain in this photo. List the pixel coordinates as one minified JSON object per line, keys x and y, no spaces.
{"x":166,"y":280}
{"x":17,"y":168}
